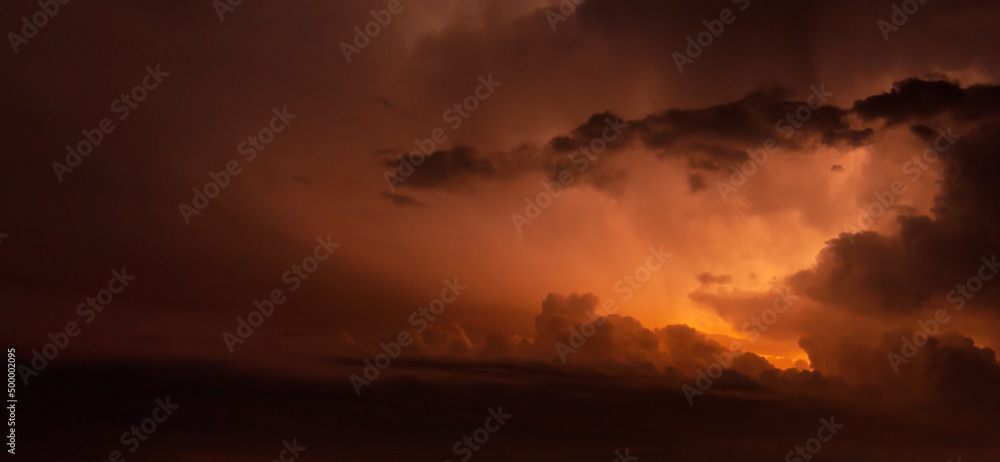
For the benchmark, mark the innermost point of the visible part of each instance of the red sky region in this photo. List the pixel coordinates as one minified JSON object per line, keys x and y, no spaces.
{"x":806,"y":209}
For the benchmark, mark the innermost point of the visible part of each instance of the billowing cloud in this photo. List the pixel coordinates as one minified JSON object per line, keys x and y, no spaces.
{"x":822,"y":298}
{"x":921,"y":100}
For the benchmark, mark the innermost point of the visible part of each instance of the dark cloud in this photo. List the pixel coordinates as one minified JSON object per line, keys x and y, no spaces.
{"x":443,"y":169}
{"x":401,"y":200}
{"x":911,"y":99}
{"x":605,"y":126}
{"x":696,"y":182}
{"x":752,"y":365}
{"x":718,"y":157}
{"x":929,"y":256}
{"x":617,"y":341}
{"x":925,"y":133}
{"x":949,"y":371}
{"x":920,"y":100}
{"x":746,"y":123}
{"x":867,"y":271}
{"x":708,"y":278}
{"x":711,"y":139}
{"x":620,"y":340}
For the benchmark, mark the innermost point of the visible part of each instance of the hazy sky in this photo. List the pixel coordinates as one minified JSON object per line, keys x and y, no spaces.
{"x":867,"y":201}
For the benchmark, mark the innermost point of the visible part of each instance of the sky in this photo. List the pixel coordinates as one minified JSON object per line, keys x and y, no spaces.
{"x":630,"y":223}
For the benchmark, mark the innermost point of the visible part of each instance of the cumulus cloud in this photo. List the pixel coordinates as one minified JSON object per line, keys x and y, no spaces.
{"x":580,"y":324}
{"x":930,"y":255}
{"x":443,"y":340}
